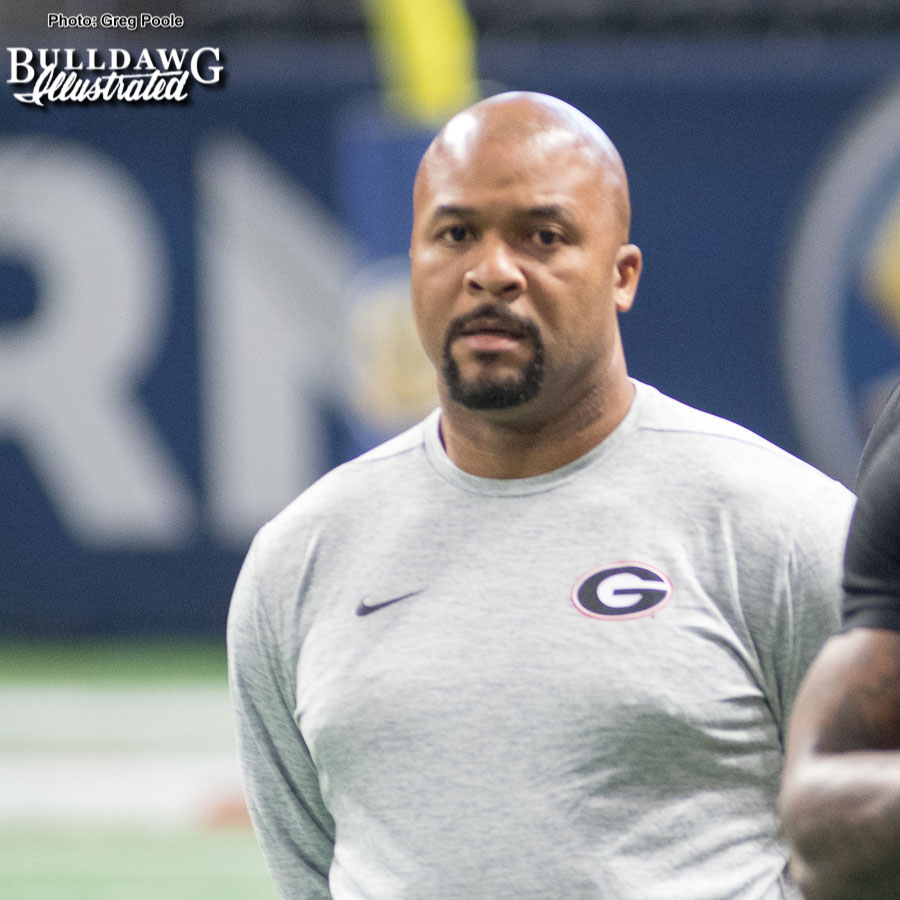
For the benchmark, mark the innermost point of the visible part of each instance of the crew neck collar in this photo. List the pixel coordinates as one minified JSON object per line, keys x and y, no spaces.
{"x":448,"y":470}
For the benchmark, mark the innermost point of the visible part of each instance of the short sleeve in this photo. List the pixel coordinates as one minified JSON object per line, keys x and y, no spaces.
{"x":872,"y":558}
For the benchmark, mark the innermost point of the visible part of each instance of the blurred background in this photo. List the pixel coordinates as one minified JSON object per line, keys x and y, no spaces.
{"x":204,"y":306}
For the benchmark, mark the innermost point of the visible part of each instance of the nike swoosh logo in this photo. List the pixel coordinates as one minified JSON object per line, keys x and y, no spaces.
{"x":365,"y":608}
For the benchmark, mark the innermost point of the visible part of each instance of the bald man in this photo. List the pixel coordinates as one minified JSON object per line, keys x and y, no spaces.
{"x":545,"y":643}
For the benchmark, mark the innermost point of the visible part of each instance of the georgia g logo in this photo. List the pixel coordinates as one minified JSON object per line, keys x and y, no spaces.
{"x":625,"y":590}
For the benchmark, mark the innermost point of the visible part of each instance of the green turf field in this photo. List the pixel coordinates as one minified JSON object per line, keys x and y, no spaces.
{"x":119,"y":661}
{"x":117,"y":775}
{"x":97,"y":863}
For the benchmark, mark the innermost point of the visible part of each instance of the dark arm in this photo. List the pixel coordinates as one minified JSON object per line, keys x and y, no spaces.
{"x":840,"y":799}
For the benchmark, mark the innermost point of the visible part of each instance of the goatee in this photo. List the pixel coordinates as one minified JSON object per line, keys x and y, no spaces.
{"x":486,"y":392}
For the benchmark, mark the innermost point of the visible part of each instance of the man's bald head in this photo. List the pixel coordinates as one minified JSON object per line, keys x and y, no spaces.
{"x":524,"y":116}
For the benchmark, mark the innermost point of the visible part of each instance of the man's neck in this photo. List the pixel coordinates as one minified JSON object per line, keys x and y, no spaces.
{"x":511,"y":444}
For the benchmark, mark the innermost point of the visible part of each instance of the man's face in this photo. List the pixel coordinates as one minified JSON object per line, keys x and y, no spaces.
{"x":517,"y":270}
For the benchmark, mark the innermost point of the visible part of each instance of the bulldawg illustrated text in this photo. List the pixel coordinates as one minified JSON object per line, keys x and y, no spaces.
{"x":92,"y":75}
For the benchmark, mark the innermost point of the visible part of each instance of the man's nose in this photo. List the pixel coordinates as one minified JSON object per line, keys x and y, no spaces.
{"x":496,"y":272}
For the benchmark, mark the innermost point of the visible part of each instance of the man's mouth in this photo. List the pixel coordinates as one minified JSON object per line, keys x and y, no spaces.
{"x":490,"y":335}
{"x":492,"y":329}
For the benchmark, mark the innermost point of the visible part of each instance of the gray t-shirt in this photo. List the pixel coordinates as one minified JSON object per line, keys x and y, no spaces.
{"x":568,"y":686}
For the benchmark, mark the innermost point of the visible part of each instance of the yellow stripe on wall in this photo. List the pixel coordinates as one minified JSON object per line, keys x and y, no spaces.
{"x":883,"y":270}
{"x":426,"y":50}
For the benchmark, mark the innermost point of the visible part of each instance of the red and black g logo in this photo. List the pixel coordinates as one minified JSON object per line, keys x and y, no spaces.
{"x":625,"y":590}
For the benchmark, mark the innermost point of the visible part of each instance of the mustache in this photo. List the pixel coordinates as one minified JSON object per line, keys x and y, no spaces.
{"x":499,"y":314}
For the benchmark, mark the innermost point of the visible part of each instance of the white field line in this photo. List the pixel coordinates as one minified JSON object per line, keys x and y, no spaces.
{"x":42,"y":717}
{"x":119,"y":790}
{"x":114,"y":755}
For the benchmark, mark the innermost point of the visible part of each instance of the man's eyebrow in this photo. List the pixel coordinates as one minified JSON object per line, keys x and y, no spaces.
{"x":543,"y":211}
{"x":548,"y":211}
{"x":451,"y":211}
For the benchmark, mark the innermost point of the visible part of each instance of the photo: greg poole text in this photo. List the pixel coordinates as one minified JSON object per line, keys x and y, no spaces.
{"x":130,"y":22}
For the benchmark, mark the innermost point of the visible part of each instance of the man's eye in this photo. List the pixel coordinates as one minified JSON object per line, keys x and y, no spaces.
{"x":455,"y":234}
{"x":547,"y":237}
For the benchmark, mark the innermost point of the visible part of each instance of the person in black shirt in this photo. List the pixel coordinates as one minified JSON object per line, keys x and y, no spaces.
{"x":840,"y":797}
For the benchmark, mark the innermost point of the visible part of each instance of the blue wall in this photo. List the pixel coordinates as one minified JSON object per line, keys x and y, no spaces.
{"x":221,"y":247}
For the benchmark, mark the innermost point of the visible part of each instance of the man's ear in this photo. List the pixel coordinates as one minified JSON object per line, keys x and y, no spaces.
{"x":629,"y":262}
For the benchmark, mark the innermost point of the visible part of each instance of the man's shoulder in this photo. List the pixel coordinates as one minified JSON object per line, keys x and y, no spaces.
{"x":666,"y":414}
{"x":730,"y":457}
{"x":354,"y":486}
{"x":878,"y":464}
